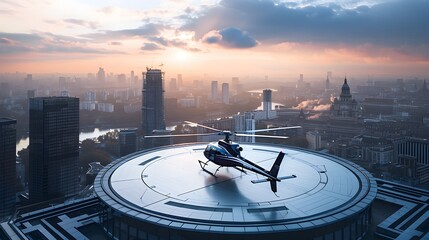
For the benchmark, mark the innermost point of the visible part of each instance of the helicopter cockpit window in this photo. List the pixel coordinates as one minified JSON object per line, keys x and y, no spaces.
{"x":218,"y":150}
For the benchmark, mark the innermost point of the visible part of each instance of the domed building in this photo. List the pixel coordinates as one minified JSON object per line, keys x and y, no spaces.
{"x":344,"y":106}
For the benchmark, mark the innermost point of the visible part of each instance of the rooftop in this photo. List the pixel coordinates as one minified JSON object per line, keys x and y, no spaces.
{"x":168,"y":186}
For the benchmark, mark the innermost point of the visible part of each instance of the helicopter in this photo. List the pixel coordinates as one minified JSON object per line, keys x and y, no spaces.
{"x":226,"y":153}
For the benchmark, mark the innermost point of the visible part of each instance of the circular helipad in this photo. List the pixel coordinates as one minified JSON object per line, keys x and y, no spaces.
{"x":167,"y":186}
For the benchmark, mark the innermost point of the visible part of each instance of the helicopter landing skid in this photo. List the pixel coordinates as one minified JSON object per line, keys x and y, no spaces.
{"x":241,"y":170}
{"x":203,"y":167}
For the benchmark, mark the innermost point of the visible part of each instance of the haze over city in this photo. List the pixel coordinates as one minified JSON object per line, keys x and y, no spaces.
{"x":281,"y":39}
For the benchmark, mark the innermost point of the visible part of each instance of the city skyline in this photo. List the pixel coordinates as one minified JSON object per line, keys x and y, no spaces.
{"x":201,"y":38}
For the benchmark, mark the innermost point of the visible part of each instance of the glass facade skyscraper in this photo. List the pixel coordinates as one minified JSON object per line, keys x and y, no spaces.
{"x":54,"y":147}
{"x":7,"y":166}
{"x":152,"y":101}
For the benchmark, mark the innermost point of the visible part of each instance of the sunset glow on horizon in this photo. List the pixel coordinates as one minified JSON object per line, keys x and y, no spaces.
{"x":228,"y":37}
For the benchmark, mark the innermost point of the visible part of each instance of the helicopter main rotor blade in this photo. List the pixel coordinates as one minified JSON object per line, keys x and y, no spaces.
{"x":262,"y":136}
{"x":180,"y":135}
{"x":270,"y":129}
{"x":203,"y":126}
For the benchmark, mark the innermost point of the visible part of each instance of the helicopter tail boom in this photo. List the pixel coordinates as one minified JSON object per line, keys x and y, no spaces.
{"x":276,"y":166}
{"x":275,"y":170}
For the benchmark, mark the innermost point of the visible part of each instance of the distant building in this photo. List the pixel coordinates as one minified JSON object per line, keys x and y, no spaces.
{"x":122,"y":78}
{"x":65,"y":93}
{"x":152,"y":101}
{"x":235,"y":81}
{"x":189,"y":102}
{"x":132,"y":78}
{"x":413,"y":147}
{"x":221,"y":124}
{"x":105,"y":107}
{"x":87,"y":105}
{"x":214,"y":91}
{"x":31,"y":93}
{"x":314,"y":140}
{"x":245,"y":122}
{"x":345,"y":106}
{"x":328,"y":79}
{"x":225,"y":93}
{"x":179,"y":81}
{"x":54,"y":147}
{"x":90,"y":96}
{"x":62,"y":83}
{"x":127,"y":141}
{"x":173,"y":85}
{"x":101,"y":75}
{"x":7,"y":166}
{"x":103,"y":96}
{"x":413,"y":155}
{"x":29,"y":78}
{"x":267,"y":102}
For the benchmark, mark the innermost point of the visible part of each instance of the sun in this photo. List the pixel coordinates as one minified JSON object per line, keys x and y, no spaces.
{"x":181,"y":56}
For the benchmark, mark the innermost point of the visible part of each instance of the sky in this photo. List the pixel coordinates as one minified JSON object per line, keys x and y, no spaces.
{"x":212,"y":38}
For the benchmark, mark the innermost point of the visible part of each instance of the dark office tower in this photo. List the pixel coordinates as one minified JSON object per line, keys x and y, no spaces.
{"x":7,"y":166}
{"x":127,"y":141}
{"x":101,"y":75}
{"x":152,"y":101}
{"x":54,"y":147}
{"x":267,"y":102}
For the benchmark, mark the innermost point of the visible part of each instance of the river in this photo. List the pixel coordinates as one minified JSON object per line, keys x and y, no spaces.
{"x":84,"y":134}
{"x":96,"y":132}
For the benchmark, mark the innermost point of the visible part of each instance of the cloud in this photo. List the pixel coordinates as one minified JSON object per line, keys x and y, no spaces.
{"x":6,"y":41}
{"x":46,"y":43}
{"x":147,"y":30}
{"x":151,"y":47}
{"x":393,"y":23}
{"x":21,"y":37}
{"x":167,"y":42}
{"x":107,"y":10}
{"x":231,"y":38}
{"x":115,"y":43}
{"x":80,"y":22}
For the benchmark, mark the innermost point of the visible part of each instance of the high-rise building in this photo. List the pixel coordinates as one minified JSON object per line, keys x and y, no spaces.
{"x":132,"y":79}
{"x":127,"y":141}
{"x":234,"y":84}
{"x":29,"y":78}
{"x":179,"y":81}
{"x":173,"y":85}
{"x":7,"y":166}
{"x":101,"y":75}
{"x":152,"y":101}
{"x":214,"y":91}
{"x":5,"y":90}
{"x":54,"y":147}
{"x":267,"y":102}
{"x":314,"y":140}
{"x":225,"y":93}
{"x":245,"y":122}
{"x":31,"y":93}
{"x":328,"y":79}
